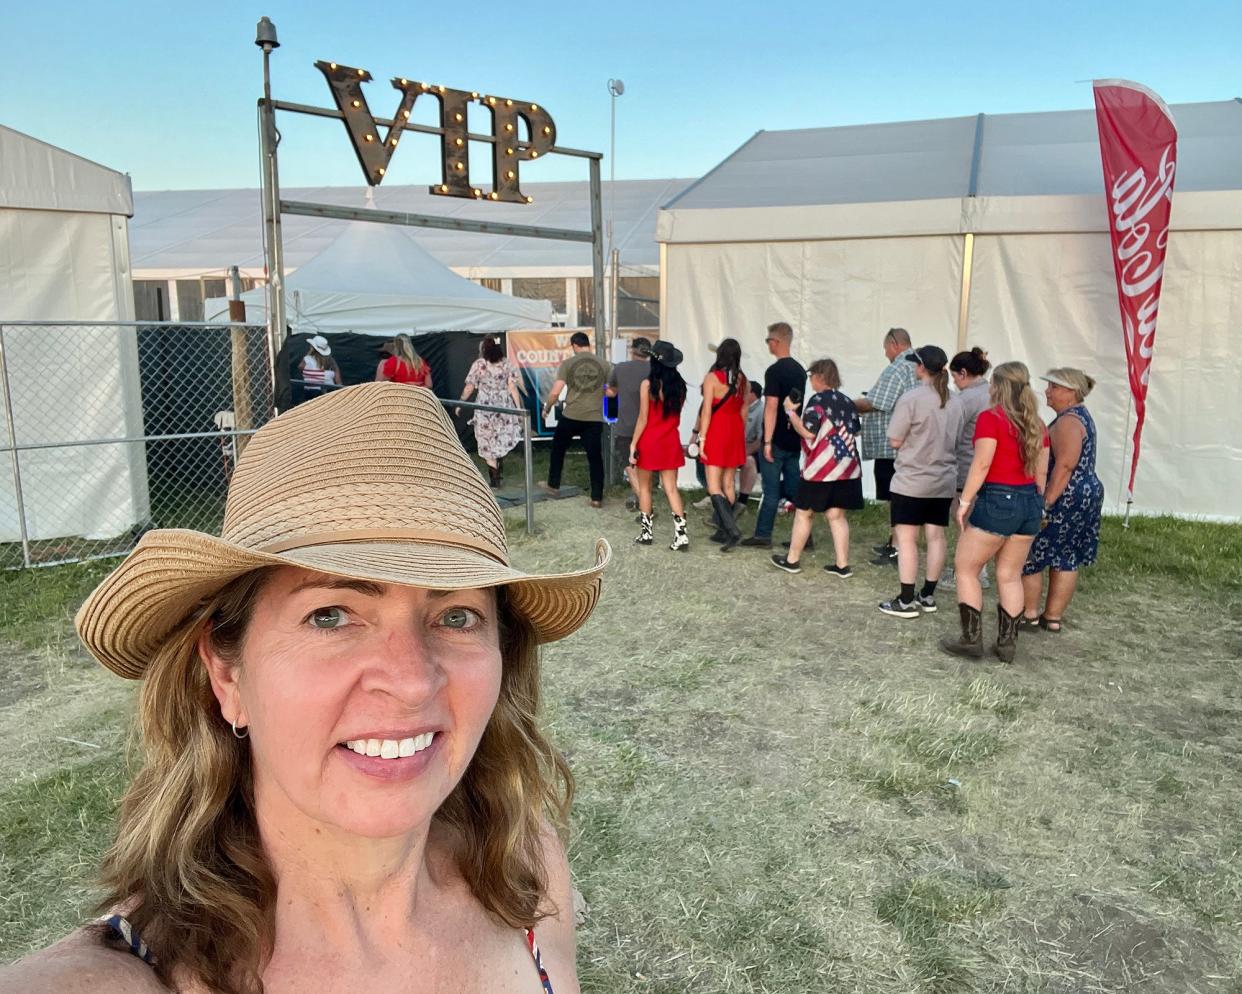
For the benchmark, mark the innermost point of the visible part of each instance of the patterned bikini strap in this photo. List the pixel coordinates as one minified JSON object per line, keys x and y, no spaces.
{"x":121,"y":926}
{"x":534,"y":953}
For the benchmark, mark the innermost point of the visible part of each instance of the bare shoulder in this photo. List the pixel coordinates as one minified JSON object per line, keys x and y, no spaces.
{"x":79,"y":964}
{"x":556,"y":932}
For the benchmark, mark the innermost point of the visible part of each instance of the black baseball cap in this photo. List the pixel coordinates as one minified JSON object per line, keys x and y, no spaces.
{"x":930,"y":357}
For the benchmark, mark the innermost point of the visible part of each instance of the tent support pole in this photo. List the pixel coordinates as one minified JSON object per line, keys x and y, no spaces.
{"x":17,"y":468}
{"x":1121,"y":479}
{"x":963,"y":313}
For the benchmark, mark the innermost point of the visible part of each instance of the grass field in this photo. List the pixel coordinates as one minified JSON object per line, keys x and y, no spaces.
{"x":781,"y":789}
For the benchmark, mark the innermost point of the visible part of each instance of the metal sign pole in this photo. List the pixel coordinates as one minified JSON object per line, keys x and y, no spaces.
{"x":597,"y":294}
{"x":273,"y":244}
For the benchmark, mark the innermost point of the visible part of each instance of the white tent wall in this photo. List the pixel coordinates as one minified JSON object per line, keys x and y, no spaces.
{"x":64,"y":257}
{"x":1051,"y":300}
{"x":840,"y":296}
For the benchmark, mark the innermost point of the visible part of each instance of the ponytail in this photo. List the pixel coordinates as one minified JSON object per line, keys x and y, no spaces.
{"x":940,"y":381}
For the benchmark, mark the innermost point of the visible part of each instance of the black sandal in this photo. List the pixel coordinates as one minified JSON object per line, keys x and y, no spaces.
{"x":1052,"y":625}
{"x":1026,"y":624}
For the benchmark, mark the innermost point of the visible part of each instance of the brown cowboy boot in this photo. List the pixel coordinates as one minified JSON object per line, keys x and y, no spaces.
{"x":1006,"y":634}
{"x":970,"y":642}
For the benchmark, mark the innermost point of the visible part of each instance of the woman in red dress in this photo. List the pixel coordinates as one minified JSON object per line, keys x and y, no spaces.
{"x":722,"y":426}
{"x":403,"y":364}
{"x":656,"y":445}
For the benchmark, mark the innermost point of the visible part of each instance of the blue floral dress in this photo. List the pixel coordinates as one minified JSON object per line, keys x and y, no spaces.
{"x":1071,"y":538}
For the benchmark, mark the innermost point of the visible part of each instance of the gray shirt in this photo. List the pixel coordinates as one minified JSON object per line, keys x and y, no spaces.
{"x":627,"y":378}
{"x":926,"y":462}
{"x":971,"y":401}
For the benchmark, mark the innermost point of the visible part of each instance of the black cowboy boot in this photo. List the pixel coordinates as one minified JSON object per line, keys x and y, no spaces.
{"x":970,"y":642}
{"x":724,"y":520}
{"x":1006,"y":634}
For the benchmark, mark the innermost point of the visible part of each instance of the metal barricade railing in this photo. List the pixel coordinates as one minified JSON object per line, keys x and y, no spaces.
{"x":112,"y":428}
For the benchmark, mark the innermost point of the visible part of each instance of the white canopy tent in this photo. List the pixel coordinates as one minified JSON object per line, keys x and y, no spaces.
{"x":375,"y":279}
{"x":64,"y":257}
{"x":989,"y":231}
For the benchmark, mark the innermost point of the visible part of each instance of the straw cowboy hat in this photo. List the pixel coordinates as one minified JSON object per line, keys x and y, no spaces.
{"x":369,"y":482}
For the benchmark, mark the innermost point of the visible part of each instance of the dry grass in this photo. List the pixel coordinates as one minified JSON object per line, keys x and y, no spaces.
{"x":781,"y":789}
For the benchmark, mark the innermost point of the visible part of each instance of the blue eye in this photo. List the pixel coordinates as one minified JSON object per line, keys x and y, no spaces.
{"x":327,"y":617}
{"x":459,"y":617}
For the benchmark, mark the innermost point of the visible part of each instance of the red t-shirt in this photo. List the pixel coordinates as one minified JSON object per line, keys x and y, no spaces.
{"x":400,"y":371}
{"x":1006,"y":465}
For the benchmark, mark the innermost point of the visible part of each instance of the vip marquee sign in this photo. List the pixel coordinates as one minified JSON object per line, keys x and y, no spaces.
{"x":375,"y":151}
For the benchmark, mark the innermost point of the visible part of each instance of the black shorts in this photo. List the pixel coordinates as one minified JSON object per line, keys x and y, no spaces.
{"x":813,"y":496}
{"x":905,"y":510}
{"x":884,"y":469}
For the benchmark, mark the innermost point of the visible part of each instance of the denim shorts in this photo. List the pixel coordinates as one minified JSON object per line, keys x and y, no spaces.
{"x":1005,"y":510}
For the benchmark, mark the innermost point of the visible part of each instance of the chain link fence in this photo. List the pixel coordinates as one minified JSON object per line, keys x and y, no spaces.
{"x":110,"y":429}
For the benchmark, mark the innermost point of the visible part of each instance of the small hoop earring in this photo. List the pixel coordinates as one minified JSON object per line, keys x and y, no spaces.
{"x":243,"y":733}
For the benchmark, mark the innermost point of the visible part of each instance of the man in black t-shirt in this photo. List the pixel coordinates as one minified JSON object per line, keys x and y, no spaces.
{"x":778,"y":457}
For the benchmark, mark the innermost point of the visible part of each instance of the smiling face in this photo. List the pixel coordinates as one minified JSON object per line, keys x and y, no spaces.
{"x":365,"y":702}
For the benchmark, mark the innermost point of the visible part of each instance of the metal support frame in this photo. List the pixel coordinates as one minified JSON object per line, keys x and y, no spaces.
{"x":273,"y":248}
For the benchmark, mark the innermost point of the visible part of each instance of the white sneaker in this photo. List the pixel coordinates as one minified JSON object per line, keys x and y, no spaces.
{"x":983,"y":577}
{"x":947,"y":580}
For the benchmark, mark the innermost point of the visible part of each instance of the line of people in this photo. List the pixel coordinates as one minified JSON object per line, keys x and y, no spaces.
{"x":1021,"y":495}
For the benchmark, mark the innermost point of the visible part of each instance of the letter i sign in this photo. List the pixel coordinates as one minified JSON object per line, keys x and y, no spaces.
{"x":375,"y":151}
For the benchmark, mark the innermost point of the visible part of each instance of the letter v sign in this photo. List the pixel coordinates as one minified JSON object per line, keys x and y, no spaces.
{"x":373,"y":153}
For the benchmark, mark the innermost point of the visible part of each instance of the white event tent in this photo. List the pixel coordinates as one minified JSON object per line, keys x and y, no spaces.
{"x":989,"y":231}
{"x":375,"y":279}
{"x":64,"y":257}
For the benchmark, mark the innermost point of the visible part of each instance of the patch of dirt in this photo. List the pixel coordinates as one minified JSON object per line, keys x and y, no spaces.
{"x":1096,"y":939}
{"x":20,"y":676}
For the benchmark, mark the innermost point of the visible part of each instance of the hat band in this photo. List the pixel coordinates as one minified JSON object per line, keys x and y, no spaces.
{"x":381,"y":535}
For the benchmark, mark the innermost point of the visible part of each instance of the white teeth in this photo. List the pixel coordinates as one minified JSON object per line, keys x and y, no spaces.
{"x":391,"y":748}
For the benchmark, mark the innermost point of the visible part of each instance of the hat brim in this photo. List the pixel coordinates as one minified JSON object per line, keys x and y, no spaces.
{"x":1058,"y":383}
{"x":172,"y":571}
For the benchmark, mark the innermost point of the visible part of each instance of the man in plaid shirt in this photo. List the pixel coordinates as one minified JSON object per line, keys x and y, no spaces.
{"x":876,"y":408}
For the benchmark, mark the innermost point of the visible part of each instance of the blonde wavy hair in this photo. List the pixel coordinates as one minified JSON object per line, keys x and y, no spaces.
{"x":1011,"y":391}
{"x":403,"y":348}
{"x":188,"y":868}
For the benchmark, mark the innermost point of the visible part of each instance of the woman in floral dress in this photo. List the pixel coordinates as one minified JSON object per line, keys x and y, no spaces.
{"x":1073,"y":502}
{"x":496,"y":380}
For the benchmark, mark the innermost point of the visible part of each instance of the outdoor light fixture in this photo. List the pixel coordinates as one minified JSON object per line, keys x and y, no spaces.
{"x":265,"y":35}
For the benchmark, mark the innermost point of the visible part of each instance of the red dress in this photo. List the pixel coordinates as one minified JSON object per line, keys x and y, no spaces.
{"x":725,"y":444}
{"x":400,"y":371}
{"x":659,"y":446}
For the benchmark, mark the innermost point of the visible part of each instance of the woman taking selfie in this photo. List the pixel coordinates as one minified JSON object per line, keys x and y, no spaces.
{"x":344,"y":784}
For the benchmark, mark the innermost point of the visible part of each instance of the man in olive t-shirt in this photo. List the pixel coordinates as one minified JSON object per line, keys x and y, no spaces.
{"x":583,"y":376}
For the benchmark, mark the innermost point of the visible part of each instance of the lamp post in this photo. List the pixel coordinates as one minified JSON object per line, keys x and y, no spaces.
{"x":615,"y":87}
{"x":274,"y":256}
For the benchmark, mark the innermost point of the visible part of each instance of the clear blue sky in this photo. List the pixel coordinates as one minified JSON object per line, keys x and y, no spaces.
{"x":166,"y":91}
